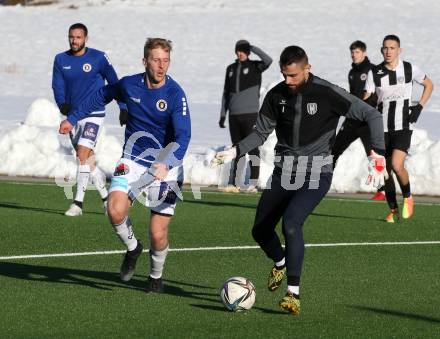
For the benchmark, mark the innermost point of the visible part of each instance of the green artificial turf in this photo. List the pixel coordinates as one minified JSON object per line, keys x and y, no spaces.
{"x":387,"y":291}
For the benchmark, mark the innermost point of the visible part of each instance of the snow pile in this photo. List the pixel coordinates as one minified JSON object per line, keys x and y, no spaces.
{"x":35,"y":148}
{"x":422,"y":164}
{"x":202,"y":51}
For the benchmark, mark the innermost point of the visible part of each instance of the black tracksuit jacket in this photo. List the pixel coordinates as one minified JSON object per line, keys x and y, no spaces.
{"x":305,"y":123}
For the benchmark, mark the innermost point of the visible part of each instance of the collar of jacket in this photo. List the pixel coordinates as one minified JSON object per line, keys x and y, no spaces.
{"x":307,"y":86}
{"x":242,"y":62}
{"x":362,"y":65}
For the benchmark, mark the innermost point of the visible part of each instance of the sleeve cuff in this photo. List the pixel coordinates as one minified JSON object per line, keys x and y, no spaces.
{"x":72,"y":119}
{"x":379,"y":151}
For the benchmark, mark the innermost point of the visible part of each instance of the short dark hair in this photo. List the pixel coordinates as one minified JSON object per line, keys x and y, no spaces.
{"x":358,"y":44}
{"x":293,"y":54}
{"x":79,"y":25}
{"x":153,"y":43}
{"x":391,"y":37}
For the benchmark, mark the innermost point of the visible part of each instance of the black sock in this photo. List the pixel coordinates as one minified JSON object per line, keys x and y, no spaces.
{"x":406,"y":190}
{"x":78,"y":203}
{"x":391,"y":199}
{"x":104,"y":199}
{"x":293,"y":280}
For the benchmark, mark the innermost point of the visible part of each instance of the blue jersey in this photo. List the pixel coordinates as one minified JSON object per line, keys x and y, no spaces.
{"x":158,"y":117}
{"x":75,"y":78}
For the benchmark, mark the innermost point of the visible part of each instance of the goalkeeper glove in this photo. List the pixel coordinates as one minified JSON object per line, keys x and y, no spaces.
{"x":224,"y":156}
{"x":414,"y":113}
{"x":377,"y":172}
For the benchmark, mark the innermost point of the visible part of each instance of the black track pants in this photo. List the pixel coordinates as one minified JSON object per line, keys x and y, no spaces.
{"x":293,"y":206}
{"x":240,"y":126}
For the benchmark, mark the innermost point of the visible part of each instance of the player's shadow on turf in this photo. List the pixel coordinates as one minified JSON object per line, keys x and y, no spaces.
{"x":395,"y":313}
{"x":188,"y":284}
{"x":196,"y":295}
{"x":220,"y":203}
{"x":95,"y":279}
{"x":344,"y":217}
{"x":36,"y":209}
{"x":221,"y":308}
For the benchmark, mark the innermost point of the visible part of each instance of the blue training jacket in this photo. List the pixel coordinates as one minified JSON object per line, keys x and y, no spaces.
{"x":74,"y":78}
{"x":158,"y":118}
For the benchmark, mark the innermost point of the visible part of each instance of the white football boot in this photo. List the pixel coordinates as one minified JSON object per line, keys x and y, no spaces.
{"x":230,"y":189}
{"x":251,"y":189}
{"x":74,"y":211}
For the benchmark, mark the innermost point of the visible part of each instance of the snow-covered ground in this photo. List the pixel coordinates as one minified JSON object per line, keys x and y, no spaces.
{"x":204,"y":33}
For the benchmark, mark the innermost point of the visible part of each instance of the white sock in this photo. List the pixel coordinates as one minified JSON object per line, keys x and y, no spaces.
{"x":293,"y":289}
{"x":157,"y":262}
{"x":98,"y":179}
{"x":82,"y":179}
{"x":126,"y":234}
{"x":280,"y":263}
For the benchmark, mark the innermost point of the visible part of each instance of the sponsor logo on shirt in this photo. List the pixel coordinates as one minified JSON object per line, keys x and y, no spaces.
{"x":399,"y":93}
{"x":121,"y":169}
{"x":380,"y":72}
{"x":67,"y":67}
{"x":401,"y":80}
{"x":136,"y":100}
{"x":87,"y":67}
{"x":312,"y":108}
{"x":161,"y":105}
{"x":90,"y":131}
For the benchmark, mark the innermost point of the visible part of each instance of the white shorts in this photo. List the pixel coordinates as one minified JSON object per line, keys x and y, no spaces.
{"x":134,"y":179}
{"x":86,"y":131}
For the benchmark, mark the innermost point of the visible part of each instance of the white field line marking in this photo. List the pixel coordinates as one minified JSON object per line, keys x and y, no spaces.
{"x":220,"y":248}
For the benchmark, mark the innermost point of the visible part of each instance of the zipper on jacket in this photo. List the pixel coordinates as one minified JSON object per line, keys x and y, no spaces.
{"x":237,"y":79}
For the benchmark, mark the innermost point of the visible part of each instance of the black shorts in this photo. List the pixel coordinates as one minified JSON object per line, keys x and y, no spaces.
{"x":400,"y":140}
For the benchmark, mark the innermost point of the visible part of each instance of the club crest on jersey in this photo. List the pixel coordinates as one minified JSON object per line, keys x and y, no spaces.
{"x":231,"y":73}
{"x":87,"y":67}
{"x":401,"y":80}
{"x":363,"y":76}
{"x":121,"y":169}
{"x":312,"y":108}
{"x":161,"y":105}
{"x":245,"y":70}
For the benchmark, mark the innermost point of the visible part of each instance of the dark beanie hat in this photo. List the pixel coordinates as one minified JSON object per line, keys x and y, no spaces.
{"x":243,"y":46}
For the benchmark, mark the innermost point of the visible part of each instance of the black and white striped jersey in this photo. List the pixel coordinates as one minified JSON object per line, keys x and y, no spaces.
{"x":394,"y":89}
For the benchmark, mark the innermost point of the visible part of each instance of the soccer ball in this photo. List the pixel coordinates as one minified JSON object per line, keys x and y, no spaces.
{"x":238,"y":294}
